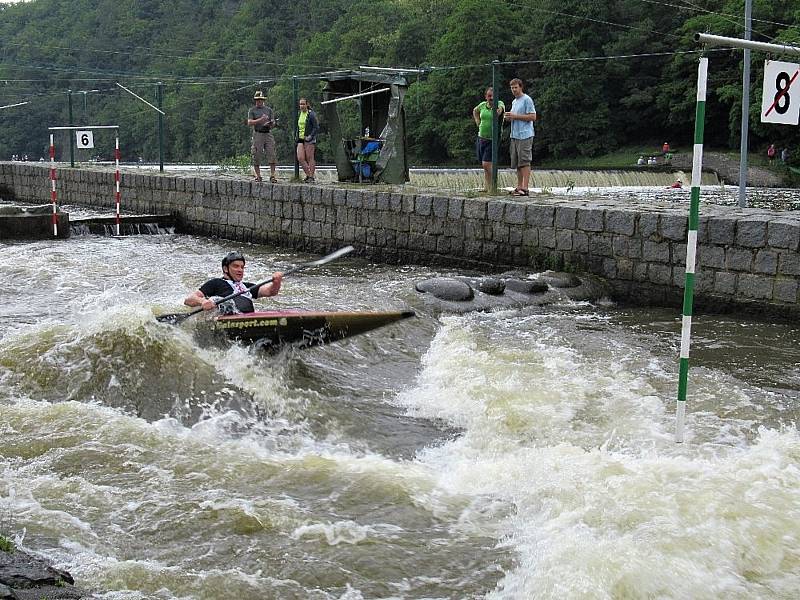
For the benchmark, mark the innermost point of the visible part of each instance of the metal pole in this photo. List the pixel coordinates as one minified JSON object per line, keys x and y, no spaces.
{"x":495,"y":126}
{"x":116,"y":178}
{"x":748,"y":13}
{"x":160,"y":100}
{"x":53,"y":200}
{"x":71,"y":122}
{"x":691,"y":247}
{"x":296,"y":100}
{"x":718,"y":40}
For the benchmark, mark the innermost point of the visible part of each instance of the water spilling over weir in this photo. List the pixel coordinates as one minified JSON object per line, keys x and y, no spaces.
{"x":511,"y":454}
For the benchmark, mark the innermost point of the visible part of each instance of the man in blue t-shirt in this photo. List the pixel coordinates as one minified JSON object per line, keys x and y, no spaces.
{"x":521,"y":116}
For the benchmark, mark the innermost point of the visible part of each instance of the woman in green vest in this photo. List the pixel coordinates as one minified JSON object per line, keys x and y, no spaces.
{"x":307,"y":130}
{"x":482,"y":115}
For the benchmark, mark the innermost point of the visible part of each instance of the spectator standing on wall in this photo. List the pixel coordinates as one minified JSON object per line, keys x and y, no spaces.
{"x":665,"y":148}
{"x":262,"y":119}
{"x":522,"y":116}
{"x":771,"y":153}
{"x":307,"y":131}
{"x":483,"y":115}
{"x":784,"y":155}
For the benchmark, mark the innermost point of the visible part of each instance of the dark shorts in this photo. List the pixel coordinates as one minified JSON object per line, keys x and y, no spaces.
{"x":483,"y":148}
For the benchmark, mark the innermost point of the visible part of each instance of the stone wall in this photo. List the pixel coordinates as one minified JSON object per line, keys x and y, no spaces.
{"x":746,"y":257}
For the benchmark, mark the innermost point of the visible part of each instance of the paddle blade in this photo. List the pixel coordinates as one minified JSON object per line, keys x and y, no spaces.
{"x":176,"y":318}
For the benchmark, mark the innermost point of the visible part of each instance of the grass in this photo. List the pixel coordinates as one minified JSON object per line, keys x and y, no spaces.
{"x":6,"y":545}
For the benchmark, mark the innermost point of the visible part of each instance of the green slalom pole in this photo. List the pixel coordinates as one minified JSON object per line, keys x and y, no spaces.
{"x":691,"y":247}
{"x":495,"y":126}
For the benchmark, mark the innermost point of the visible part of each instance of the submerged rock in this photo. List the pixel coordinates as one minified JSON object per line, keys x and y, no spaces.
{"x":508,"y":290}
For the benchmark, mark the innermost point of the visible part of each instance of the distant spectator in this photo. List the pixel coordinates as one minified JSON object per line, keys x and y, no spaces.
{"x":307,"y":131}
{"x":784,"y":155}
{"x":483,"y":114}
{"x":521,"y":116}
{"x":665,"y":148}
{"x":262,"y":119}
{"x":651,"y":160}
{"x":641,"y":161}
{"x":771,"y":153}
{"x":668,"y":158}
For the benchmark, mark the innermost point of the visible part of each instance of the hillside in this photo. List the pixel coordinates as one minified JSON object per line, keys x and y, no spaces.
{"x":603,"y":74}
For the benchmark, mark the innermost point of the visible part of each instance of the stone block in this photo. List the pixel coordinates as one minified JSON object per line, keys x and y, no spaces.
{"x":500,"y":233}
{"x":751,"y":232}
{"x":590,"y":219}
{"x":530,"y":237}
{"x":786,"y":290}
{"x":440,"y":206}
{"x":540,"y":216}
{"x":660,"y":274}
{"x":339,"y":197}
{"x":563,"y":239}
{"x":757,"y":287}
{"x":674,"y":227}
{"x":738,"y":259}
{"x":368,"y":200}
{"x":788,"y":263}
{"x":784,"y":234}
{"x":648,"y":225}
{"x":722,"y":230}
{"x":547,"y":237}
{"x":609,"y":270}
{"x":495,"y":209}
{"x":655,"y":251}
{"x":580,"y":241}
{"x":475,"y":209}
{"x":355,"y":199}
{"x":622,"y":222}
{"x":423,"y":205}
{"x":566,"y":217}
{"x":383,"y":200}
{"x":455,"y":208}
{"x":725,"y":283}
{"x":640,"y":271}
{"x":711,"y":256}
{"x":766,"y":261}
{"x":624,"y":268}
{"x":515,"y":213}
{"x":600,"y":244}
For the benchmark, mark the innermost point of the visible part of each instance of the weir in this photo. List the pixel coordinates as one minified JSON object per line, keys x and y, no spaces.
{"x":747,"y":258}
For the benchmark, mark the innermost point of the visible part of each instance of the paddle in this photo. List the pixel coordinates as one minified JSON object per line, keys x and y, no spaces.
{"x":175,"y":318}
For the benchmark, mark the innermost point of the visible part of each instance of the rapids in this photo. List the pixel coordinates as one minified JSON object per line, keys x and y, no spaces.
{"x":503,"y":455}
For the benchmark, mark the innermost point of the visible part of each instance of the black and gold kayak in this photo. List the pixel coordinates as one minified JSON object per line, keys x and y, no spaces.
{"x":276,"y":328}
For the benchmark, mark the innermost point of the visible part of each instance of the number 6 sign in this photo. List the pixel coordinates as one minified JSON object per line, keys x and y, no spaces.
{"x":781,"y":99}
{"x":84,"y":139}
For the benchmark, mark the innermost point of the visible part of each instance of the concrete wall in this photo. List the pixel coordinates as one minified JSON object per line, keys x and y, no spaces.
{"x":746,"y":257}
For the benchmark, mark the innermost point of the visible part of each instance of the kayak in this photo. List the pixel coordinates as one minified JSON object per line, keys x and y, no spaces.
{"x":273,"y":329}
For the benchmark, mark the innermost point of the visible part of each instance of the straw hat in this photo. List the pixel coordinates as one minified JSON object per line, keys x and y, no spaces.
{"x":259,"y":95}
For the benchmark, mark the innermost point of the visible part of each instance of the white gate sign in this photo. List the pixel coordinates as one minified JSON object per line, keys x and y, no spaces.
{"x":84,"y":139}
{"x":781,"y":99}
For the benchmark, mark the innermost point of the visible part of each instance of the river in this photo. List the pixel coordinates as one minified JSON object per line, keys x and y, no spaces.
{"x":505,"y":455}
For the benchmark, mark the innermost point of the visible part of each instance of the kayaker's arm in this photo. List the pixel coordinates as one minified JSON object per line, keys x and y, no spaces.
{"x":272,"y":288}
{"x":198,"y":299}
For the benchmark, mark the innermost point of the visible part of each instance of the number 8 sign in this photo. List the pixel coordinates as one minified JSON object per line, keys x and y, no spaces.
{"x":84,"y":139}
{"x":781,"y":100}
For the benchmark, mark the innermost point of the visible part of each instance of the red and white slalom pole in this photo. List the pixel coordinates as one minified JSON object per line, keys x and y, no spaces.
{"x":116,"y":177}
{"x":53,"y":185}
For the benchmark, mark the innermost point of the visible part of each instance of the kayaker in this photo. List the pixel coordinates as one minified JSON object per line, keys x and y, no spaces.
{"x":231,"y":283}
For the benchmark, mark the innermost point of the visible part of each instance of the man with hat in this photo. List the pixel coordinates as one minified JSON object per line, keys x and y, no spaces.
{"x":261,"y":118}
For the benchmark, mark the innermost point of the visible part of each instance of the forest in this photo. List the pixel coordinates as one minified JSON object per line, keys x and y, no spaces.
{"x":604,"y":74}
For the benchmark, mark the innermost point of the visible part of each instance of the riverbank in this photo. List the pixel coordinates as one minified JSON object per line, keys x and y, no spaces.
{"x":24,"y":576}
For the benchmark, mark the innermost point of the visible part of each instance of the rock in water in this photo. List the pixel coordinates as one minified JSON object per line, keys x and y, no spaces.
{"x":445,"y":288}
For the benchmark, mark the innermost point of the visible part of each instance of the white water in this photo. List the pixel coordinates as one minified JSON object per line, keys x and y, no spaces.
{"x":504,"y":455}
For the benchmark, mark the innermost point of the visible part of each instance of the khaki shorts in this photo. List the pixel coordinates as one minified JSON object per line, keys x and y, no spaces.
{"x":263,"y":148}
{"x":521,"y":152}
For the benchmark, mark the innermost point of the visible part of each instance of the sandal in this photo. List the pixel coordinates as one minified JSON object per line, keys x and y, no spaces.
{"x":519,"y":192}
{"x":273,"y":180}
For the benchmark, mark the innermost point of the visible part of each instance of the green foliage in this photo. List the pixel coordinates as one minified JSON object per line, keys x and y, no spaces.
{"x":603,"y":75}
{"x":6,"y":545}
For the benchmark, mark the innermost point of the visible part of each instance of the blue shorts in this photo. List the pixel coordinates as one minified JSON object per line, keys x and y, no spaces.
{"x":483,"y":148}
